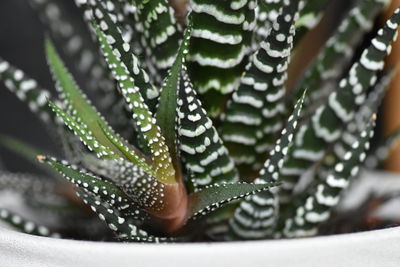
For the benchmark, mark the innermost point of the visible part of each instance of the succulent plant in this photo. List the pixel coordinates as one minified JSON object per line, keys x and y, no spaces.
{"x":201,"y":139}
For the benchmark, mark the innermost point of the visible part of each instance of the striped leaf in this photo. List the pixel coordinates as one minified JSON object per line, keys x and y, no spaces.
{"x":256,"y":217}
{"x":160,"y":34}
{"x":121,"y":226}
{"x":215,"y":196}
{"x":106,"y":191}
{"x":220,"y":44}
{"x":167,"y":106}
{"x":105,"y":15}
{"x":326,"y":124}
{"x":30,"y":92}
{"x":112,"y":103}
{"x":326,"y":194}
{"x":83,"y":118}
{"x":120,"y":11}
{"x":248,"y":133}
{"x":130,"y":29}
{"x":162,"y":164}
{"x":350,"y":135}
{"x":27,"y":90}
{"x":325,"y":71}
{"x":203,"y":153}
{"x":379,"y":153}
{"x":267,"y":12}
{"x":309,"y":17}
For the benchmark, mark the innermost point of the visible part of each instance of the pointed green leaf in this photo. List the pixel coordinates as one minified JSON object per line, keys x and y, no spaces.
{"x":81,"y":110}
{"x":221,"y":40}
{"x":215,"y":196}
{"x":125,"y":149}
{"x":327,"y":122}
{"x":145,"y":189}
{"x":202,"y":150}
{"x":339,"y":50}
{"x":127,"y":183}
{"x":105,"y":14}
{"x":86,"y":136}
{"x":77,"y":104}
{"x":162,"y":163}
{"x":338,"y":167}
{"x":105,"y":190}
{"x":122,"y":226}
{"x":23,"y":149}
{"x":85,"y":180}
{"x":374,"y":99}
{"x":325,"y":195}
{"x":256,"y":217}
{"x":166,"y":110}
{"x":254,"y":115}
{"x":277,"y":156}
{"x":351,"y":133}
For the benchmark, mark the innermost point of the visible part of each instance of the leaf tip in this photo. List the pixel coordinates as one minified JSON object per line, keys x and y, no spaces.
{"x":41,"y":158}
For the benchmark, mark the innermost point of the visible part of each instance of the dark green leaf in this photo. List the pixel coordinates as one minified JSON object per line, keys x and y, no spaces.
{"x":202,"y":150}
{"x":256,"y":217}
{"x":162,"y":163}
{"x":326,"y":124}
{"x":213,"y":197}
{"x":254,"y":115}
{"x":167,"y":106}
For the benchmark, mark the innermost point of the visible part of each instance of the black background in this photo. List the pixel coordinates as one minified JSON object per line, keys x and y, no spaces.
{"x":21,"y":43}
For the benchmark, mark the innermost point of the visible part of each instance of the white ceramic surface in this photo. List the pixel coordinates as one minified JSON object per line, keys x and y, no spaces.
{"x":373,"y":248}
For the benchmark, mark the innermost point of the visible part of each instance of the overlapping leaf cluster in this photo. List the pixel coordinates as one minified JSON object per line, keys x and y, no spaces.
{"x":193,"y":110}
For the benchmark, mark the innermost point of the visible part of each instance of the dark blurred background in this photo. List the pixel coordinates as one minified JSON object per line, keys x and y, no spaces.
{"x":21,"y":43}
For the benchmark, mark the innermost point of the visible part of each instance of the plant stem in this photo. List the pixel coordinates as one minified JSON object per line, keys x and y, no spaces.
{"x":175,"y":212}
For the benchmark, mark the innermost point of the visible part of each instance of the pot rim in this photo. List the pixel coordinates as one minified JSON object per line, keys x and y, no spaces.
{"x":370,"y":248}
{"x":15,"y":235}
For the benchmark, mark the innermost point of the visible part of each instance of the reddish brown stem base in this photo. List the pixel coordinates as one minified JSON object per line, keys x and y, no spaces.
{"x":174,"y":214}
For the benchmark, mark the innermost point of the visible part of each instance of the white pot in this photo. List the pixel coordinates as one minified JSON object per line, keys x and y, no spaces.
{"x":372,"y":248}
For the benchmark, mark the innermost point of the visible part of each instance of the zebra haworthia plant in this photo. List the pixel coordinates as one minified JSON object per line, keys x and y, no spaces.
{"x":201,"y":140}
